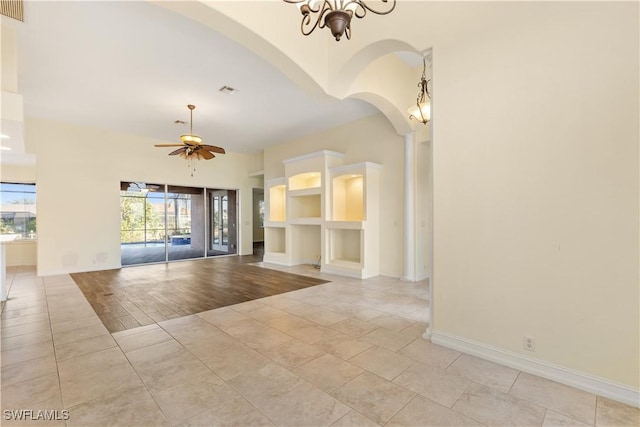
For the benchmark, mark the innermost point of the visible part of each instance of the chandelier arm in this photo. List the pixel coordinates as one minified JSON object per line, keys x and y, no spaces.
{"x":362,"y":7}
{"x":306,"y":22}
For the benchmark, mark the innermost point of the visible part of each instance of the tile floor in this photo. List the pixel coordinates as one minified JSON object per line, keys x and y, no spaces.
{"x":345,"y":353}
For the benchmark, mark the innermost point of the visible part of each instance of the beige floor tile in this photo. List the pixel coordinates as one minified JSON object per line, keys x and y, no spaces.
{"x":560,"y":398}
{"x":304,"y":405}
{"x":360,"y":313}
{"x":354,"y":419}
{"x":29,"y":328}
{"x":374,"y":397}
{"x":222,"y":318}
{"x":25,"y":339}
{"x":289,"y":323}
{"x":495,"y":408}
{"x":416,"y":330}
{"x":142,"y":339}
{"x":175,"y":369}
{"x":265,"y":383}
{"x":281,"y":302}
{"x":553,"y":419}
{"x":236,"y":361}
{"x":484,"y":372}
{"x":182,"y":322}
{"x":197,"y":333}
{"x":23,"y":354}
{"x":322,"y":317}
{"x":189,"y":399}
{"x":611,"y":413}
{"x":391,"y":340}
{"x":343,"y":346}
{"x":328,"y":373}
{"x":313,"y":334}
{"x":392,"y":323}
{"x":8,"y":314}
{"x":213,"y":345}
{"x":92,"y":320}
{"x":433,"y":383}
{"x":99,"y":360}
{"x":60,"y":338}
{"x":24,"y":320}
{"x":354,"y":327}
{"x":88,"y":346}
{"x":28,"y":370}
{"x":424,"y":412}
{"x":234,"y":412}
{"x":248,"y":306}
{"x":79,"y":388}
{"x":258,"y":336}
{"x":25,"y":394}
{"x":154,"y":353}
{"x":293,"y":353}
{"x":80,"y":309}
{"x":382,"y":362}
{"x":431,"y":354}
{"x":132,"y":406}
{"x":135,"y":331}
{"x":265,"y":313}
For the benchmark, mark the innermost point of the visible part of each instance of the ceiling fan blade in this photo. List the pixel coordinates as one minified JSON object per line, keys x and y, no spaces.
{"x":213,"y":148}
{"x":168,"y":145}
{"x":178,"y":151}
{"x":206,"y":154}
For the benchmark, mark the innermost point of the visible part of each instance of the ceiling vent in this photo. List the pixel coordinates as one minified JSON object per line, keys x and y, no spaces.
{"x":228,"y":90}
{"x":13,"y":9}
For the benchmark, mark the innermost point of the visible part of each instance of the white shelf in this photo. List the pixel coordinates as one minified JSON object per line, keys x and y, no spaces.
{"x":305,"y":181}
{"x":350,"y":225}
{"x":305,"y":192}
{"x":323,"y":211}
{"x":306,"y":221}
{"x":275,"y":224}
{"x":275,"y":240}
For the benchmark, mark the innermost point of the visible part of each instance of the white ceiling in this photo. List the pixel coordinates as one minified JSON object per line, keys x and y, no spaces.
{"x":134,"y":66}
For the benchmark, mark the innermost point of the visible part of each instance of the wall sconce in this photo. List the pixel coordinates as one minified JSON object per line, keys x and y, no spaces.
{"x":421,"y":111}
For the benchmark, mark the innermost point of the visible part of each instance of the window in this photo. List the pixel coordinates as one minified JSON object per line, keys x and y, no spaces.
{"x":17,"y":211}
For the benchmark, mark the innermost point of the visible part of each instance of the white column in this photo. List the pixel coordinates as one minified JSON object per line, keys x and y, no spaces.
{"x":409,"y":273}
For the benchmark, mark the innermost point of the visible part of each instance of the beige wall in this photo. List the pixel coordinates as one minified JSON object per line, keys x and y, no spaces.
{"x":79,"y":183}
{"x":536,"y":187}
{"x":372,"y":139}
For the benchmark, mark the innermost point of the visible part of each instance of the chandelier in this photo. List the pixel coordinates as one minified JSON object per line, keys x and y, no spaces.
{"x":336,"y":14}
{"x":421,"y":111}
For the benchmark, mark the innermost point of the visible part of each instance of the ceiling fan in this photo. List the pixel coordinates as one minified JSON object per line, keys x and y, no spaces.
{"x":192,"y":146}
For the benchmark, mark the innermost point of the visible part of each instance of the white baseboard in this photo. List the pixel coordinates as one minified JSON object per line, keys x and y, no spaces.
{"x":580,"y":380}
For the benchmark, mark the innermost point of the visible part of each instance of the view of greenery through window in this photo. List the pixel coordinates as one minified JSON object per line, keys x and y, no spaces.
{"x":143,"y":216}
{"x":17,"y":211}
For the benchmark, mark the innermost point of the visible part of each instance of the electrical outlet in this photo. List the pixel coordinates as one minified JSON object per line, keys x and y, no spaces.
{"x":529,"y":343}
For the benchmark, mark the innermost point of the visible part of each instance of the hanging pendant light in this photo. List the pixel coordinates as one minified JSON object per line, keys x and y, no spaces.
{"x":336,"y":14}
{"x":421,"y":111}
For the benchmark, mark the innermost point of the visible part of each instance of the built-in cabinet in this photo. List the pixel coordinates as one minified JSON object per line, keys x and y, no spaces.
{"x":324,"y":212}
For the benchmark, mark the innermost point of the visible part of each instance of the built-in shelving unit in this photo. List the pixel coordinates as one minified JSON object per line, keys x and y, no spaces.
{"x":324,"y":212}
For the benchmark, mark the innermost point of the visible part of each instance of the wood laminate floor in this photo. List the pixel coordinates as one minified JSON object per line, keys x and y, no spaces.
{"x":136,"y":296}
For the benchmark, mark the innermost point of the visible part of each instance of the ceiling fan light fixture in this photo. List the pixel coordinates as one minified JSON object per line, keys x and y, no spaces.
{"x":191,"y":139}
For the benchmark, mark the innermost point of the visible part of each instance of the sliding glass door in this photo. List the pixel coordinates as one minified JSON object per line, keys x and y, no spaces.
{"x":185,"y":222}
{"x":166,"y":222}
{"x":142,"y":223}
